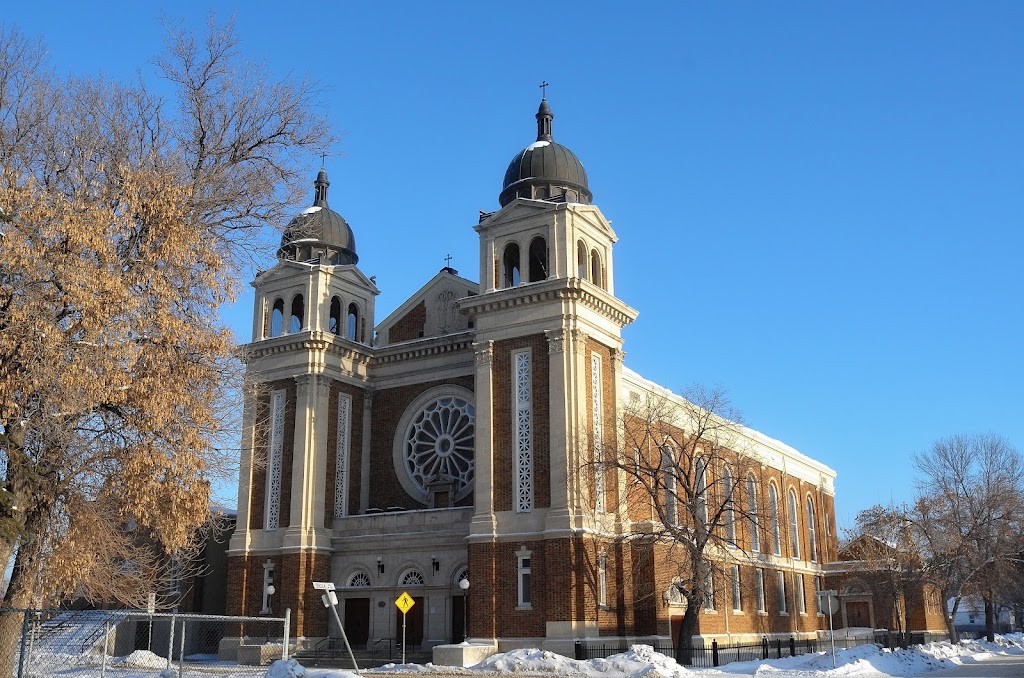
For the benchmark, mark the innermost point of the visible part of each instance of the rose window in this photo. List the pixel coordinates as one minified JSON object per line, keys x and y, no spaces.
{"x":439,"y":445}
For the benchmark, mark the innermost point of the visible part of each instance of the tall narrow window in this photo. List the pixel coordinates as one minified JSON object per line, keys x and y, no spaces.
{"x":596,"y":404}
{"x":773,"y":508}
{"x":342,"y":455}
{"x":730,"y":512}
{"x":759,"y":590}
{"x":602,"y":580}
{"x":755,"y":529}
{"x":538,"y":259}
{"x":817,"y":598}
{"x":701,"y":490}
{"x":668,"y":469}
{"x":352,"y":323}
{"x":782,"y":591}
{"x":511,"y":266}
{"x":273,"y":493}
{"x":737,"y":594}
{"x":295,"y":323}
{"x":709,"y":590}
{"x":268,"y":581}
{"x":522,"y":395}
{"x":581,"y":260}
{"x":811,"y":531}
{"x":794,"y":526}
{"x":798,"y":590}
{"x":334,"y":322}
{"x":596,"y":271}
{"x":277,"y":318}
{"x":524,"y":571}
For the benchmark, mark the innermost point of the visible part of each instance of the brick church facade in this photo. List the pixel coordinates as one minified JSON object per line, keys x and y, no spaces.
{"x":454,"y":440}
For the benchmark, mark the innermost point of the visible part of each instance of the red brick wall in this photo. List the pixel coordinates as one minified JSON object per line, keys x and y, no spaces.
{"x":504,"y":426}
{"x":293,"y":574}
{"x":609,"y":419}
{"x":355,"y":448}
{"x":388,"y":407}
{"x":411,"y":326}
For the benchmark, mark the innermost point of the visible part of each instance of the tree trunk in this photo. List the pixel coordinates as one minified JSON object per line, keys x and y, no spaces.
{"x":11,"y":626}
{"x":687,"y":630}
{"x":990,"y":618}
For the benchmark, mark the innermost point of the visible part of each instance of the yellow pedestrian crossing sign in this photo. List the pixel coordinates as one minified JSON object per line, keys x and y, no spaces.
{"x":405,"y":602}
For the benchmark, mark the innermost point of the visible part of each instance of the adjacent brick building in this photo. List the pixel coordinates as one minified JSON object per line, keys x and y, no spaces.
{"x":456,"y":439}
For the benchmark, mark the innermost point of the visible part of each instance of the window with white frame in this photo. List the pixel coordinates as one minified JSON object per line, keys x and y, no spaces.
{"x":523,"y":577}
{"x":755,"y":531}
{"x":817,"y":598}
{"x":278,"y":400}
{"x":668,"y":468}
{"x":268,"y":582}
{"x":794,"y":526}
{"x":730,"y":510}
{"x":596,"y":400}
{"x":522,"y":394}
{"x":811,"y":531}
{"x":773,"y":508}
{"x":759,"y":589}
{"x":737,"y":594}
{"x":709,"y":590}
{"x":702,"y":492}
{"x":342,"y":453}
{"x":602,"y":580}
{"x":781,"y":577}
{"x":798,"y":590}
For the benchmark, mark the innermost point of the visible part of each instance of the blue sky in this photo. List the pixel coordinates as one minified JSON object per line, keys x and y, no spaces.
{"x":819,"y":205}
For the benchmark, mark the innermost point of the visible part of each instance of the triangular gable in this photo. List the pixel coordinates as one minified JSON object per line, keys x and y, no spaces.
{"x":286,"y":269}
{"x":430,"y":312}
{"x":525,"y":208}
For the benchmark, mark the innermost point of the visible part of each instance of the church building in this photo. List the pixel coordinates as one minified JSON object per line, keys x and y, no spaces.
{"x":447,"y":449}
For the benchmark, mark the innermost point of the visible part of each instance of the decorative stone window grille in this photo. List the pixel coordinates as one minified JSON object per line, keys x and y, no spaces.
{"x":522,"y":398}
{"x":524,"y":572}
{"x":412,"y":578}
{"x":278,"y":401}
{"x":359,"y":580}
{"x":342,"y":454}
{"x":596,"y":400}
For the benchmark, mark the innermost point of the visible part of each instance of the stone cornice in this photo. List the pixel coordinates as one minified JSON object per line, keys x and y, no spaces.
{"x":424,"y":348}
{"x":305,"y":341}
{"x":559,"y":290}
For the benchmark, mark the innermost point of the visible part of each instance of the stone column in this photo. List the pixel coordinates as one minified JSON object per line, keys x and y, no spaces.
{"x":483,"y":492}
{"x":562,"y":436}
{"x":240,"y":538}
{"x":364,"y":457}
{"x":309,"y":461}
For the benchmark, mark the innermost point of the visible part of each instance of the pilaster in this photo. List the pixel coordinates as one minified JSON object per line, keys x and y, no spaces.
{"x":309,"y":463}
{"x":364,"y":463}
{"x":562,"y":478}
{"x":483,"y":523}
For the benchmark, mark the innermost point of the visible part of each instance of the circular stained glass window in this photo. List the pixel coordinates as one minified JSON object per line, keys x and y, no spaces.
{"x":439,"y":445}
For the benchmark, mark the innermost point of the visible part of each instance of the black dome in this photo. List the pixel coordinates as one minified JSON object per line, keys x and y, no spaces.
{"x":545,"y":170}
{"x":319,"y":231}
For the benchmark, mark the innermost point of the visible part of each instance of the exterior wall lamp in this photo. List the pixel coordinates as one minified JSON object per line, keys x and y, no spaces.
{"x":380,"y":566}
{"x":435,"y":563}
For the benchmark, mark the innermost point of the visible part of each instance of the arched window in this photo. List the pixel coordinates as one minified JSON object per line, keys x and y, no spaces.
{"x":359,"y":580}
{"x":730,"y":510}
{"x":334,"y":323}
{"x":298,"y":313}
{"x":538,"y":259}
{"x":701,"y":492}
{"x":510,"y":262}
{"x":352,"y":322}
{"x":668,"y":469}
{"x":773,"y":509}
{"x":277,"y":318}
{"x":794,"y":526}
{"x":811,"y":532}
{"x":581,"y":260}
{"x":596,"y":272}
{"x":412,"y":578}
{"x":755,"y":529}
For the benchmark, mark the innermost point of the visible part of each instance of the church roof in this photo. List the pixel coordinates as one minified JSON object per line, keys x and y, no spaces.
{"x":319,"y":225}
{"x":545,"y":170}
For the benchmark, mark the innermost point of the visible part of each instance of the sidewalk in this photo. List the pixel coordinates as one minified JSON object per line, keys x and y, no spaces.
{"x":1011,"y":666}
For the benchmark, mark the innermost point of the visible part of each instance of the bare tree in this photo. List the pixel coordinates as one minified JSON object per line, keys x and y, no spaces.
{"x":125,"y":222}
{"x":686,"y":465}
{"x":968,"y":518}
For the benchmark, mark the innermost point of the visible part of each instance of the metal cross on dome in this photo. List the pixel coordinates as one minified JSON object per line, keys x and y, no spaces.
{"x":544,"y":89}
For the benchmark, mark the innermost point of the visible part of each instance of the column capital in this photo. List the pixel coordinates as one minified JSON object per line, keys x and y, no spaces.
{"x":579,"y":341}
{"x":483,"y":352}
{"x":556,"y":340}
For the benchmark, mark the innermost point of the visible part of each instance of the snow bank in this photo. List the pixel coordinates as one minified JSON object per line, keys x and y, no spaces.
{"x":142,"y":659}
{"x":289,"y":668}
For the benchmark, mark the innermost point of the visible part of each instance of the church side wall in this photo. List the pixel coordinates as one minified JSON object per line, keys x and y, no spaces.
{"x":411,"y":326}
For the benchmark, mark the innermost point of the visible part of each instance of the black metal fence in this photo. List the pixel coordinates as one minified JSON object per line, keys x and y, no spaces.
{"x":716,"y":654}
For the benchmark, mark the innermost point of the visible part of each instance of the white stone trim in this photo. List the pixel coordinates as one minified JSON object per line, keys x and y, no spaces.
{"x":343,"y":455}
{"x":522,"y":421}
{"x":596,"y":405}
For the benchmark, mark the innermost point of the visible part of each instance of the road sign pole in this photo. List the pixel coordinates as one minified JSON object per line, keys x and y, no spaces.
{"x":403,"y":637}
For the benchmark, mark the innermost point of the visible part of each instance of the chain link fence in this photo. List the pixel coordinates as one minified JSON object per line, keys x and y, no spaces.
{"x":136,"y":644}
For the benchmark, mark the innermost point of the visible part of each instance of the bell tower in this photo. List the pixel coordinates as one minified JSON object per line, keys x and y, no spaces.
{"x":307,"y":362}
{"x":548,"y":364}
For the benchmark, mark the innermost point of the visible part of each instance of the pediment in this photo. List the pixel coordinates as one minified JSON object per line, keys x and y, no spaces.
{"x":524,"y":209}
{"x":430,"y":312}
{"x":285,"y":271}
